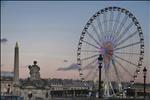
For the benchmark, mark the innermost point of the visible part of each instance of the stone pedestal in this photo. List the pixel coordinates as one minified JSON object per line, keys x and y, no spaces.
{"x":16,"y":90}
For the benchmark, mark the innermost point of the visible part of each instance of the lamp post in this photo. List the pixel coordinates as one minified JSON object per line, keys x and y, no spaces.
{"x":100,"y":60}
{"x":29,"y":95}
{"x":144,"y":72}
{"x":8,"y":89}
{"x":46,"y":95}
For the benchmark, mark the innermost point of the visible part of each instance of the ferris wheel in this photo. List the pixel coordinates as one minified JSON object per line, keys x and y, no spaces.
{"x":114,"y":33}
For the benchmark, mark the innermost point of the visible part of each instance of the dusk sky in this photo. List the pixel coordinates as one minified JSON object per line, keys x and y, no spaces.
{"x":49,"y":31}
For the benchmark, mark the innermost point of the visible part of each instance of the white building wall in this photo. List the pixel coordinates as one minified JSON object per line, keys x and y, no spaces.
{"x":4,"y":87}
{"x":35,"y":93}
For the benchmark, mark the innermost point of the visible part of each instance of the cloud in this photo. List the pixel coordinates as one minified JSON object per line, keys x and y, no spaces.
{"x":4,"y":40}
{"x":25,"y":66}
{"x":65,"y":60}
{"x":88,"y":67}
{"x":73,"y":66}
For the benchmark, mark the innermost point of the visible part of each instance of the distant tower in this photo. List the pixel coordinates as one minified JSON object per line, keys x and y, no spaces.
{"x":16,"y":65}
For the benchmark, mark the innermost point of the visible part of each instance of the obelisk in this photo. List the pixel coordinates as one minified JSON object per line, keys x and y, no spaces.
{"x":16,"y":65}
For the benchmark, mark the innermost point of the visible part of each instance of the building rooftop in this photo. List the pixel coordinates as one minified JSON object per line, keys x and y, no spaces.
{"x":7,"y":74}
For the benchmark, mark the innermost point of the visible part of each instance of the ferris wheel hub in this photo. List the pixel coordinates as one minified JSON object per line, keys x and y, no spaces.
{"x":107,"y":51}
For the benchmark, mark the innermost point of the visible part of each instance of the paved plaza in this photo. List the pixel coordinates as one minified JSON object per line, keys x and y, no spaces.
{"x":99,"y":99}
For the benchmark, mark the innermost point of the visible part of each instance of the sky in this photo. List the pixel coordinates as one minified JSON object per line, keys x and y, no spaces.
{"x":49,"y":31}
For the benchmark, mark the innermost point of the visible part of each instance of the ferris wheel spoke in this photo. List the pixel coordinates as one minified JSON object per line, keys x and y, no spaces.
{"x":116,"y":71}
{"x":87,"y":66}
{"x":90,"y":44}
{"x":111,"y":27}
{"x":90,"y":72}
{"x":95,"y":74}
{"x":124,"y":40}
{"x":111,"y":21}
{"x":116,"y":22}
{"x":93,"y":38}
{"x":89,"y":51}
{"x":106,"y":72}
{"x":117,"y":75}
{"x":122,"y":24}
{"x":124,"y":32}
{"x":127,"y":61}
{"x":127,"y":53}
{"x":89,"y":57}
{"x":100,"y":27}
{"x":123,"y":67}
{"x":95,"y":31}
{"x":136,"y":43}
{"x":105,"y":22}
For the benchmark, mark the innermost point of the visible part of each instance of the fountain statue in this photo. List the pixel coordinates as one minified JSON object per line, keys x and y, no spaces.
{"x":34,"y":71}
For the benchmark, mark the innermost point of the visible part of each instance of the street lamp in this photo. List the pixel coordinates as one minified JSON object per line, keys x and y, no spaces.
{"x":100,"y":60}
{"x":144,"y":72}
{"x":8,"y":89}
{"x":29,"y":95}
{"x":46,"y":95}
